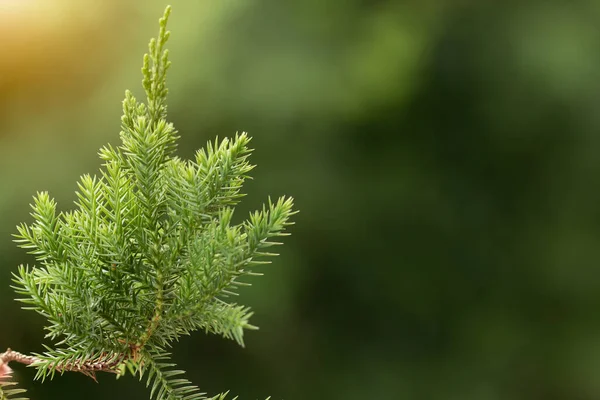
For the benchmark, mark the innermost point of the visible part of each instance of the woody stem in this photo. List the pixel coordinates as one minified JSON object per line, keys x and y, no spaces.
{"x":105,"y":363}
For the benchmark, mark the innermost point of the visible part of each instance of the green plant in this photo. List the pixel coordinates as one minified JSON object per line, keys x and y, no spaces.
{"x":149,"y":254}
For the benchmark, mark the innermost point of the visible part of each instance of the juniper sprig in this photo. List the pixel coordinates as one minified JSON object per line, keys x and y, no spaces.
{"x":150,"y":252}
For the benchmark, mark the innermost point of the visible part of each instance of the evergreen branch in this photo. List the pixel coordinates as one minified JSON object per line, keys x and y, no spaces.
{"x":166,"y":383}
{"x":148,"y":254}
{"x":222,"y":169}
{"x":223,"y":253}
{"x":77,"y":360}
{"x":198,"y":191}
{"x":218,"y":317}
{"x":228,"y":320}
{"x":154,"y":70}
{"x":266,"y":224}
{"x":65,"y":360}
{"x":43,"y":236}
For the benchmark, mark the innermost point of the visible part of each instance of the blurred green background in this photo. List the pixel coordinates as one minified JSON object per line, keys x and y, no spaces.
{"x":443,"y":155}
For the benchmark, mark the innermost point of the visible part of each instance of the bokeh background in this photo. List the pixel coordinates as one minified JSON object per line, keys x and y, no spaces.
{"x":444,"y":156}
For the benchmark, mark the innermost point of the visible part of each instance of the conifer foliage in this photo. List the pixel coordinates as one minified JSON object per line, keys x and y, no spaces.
{"x":150,"y":252}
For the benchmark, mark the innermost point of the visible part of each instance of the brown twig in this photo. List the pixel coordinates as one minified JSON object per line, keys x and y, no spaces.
{"x":104,"y":363}
{"x":11,"y":355}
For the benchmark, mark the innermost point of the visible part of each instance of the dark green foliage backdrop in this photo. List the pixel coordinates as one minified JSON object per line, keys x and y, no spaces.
{"x":443,"y":157}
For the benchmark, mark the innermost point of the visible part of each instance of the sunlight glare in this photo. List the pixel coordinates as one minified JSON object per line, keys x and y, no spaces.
{"x":14,"y":6}
{"x":24,"y":12}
